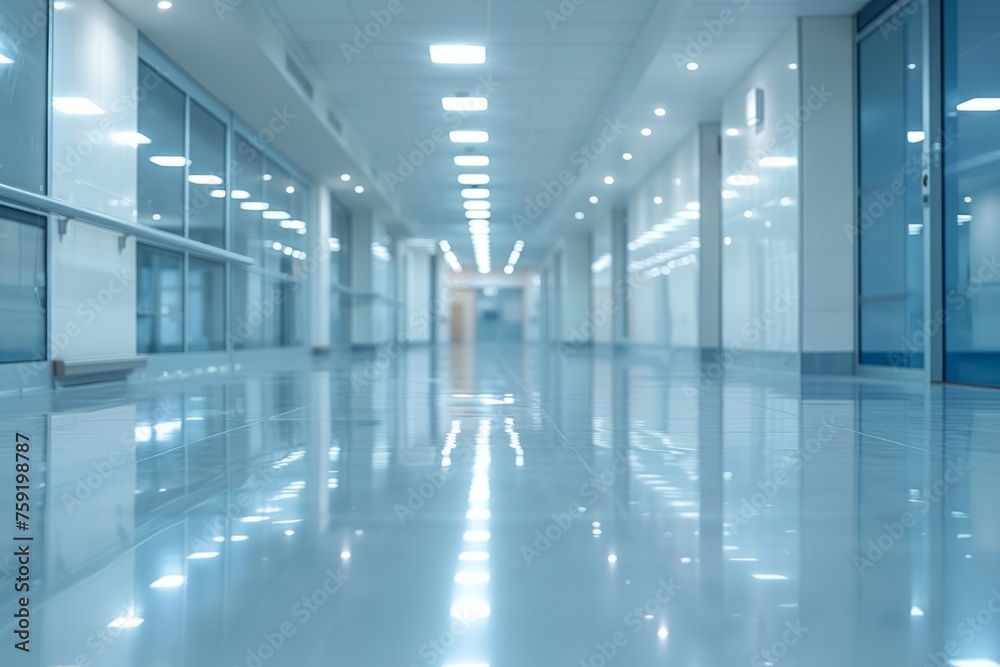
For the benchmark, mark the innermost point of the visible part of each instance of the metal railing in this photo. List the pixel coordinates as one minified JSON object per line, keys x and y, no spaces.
{"x":66,"y":211}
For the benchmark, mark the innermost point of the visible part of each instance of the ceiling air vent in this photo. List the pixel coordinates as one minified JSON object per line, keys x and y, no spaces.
{"x":296,"y":71}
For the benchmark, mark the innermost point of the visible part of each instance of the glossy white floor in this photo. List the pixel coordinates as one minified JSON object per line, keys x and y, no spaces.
{"x":509,"y":506}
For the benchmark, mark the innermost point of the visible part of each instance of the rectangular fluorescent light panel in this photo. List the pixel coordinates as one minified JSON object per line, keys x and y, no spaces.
{"x":915,"y":136}
{"x":471,"y":161}
{"x":458,"y":54}
{"x":476,"y":193}
{"x":477,"y":205}
{"x":204,"y":179}
{"x":76,"y":106}
{"x":133,"y":139}
{"x":770,"y":577}
{"x":980,"y":104}
{"x":469,"y":136}
{"x":465,"y":103}
{"x":169,"y":160}
{"x":473,"y":179}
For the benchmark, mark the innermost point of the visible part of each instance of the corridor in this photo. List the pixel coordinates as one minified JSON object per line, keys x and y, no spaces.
{"x":508,"y":504}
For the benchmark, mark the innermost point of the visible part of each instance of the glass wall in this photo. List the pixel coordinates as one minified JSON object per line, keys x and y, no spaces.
{"x":24,"y":93}
{"x":972,"y":192}
{"x":891,"y":221}
{"x":22,"y":286}
{"x":200,"y":177}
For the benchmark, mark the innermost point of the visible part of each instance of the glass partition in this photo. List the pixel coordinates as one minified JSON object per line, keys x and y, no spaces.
{"x":24,"y":93}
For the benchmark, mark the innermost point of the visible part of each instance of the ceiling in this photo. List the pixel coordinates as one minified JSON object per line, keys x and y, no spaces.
{"x":555,"y":78}
{"x":552,"y":86}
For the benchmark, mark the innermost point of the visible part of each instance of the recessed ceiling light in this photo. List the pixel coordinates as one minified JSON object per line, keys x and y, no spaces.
{"x":657,"y":200}
{"x":646,"y":132}
{"x":476,"y":193}
{"x":915,"y":136}
{"x":609,"y":180}
{"x":203,"y":555}
{"x":465,"y":103}
{"x":292,"y":224}
{"x":469,"y":136}
{"x":769,"y":577}
{"x":476,"y":205}
{"x":275,"y":215}
{"x":980,"y":104}
{"x":478,"y":215}
{"x":164,"y":4}
{"x":911,"y":66}
{"x":239,"y":194}
{"x":594,"y":199}
{"x":692,"y":66}
{"x":732,"y":132}
{"x":76,"y":106}
{"x":660,"y":111}
{"x":626,"y":156}
{"x":290,"y":190}
{"x":473,"y":179}
{"x":359,"y":189}
{"x":255,"y":206}
{"x":218,"y":194}
{"x":508,"y":269}
{"x":579,"y":215}
{"x":968,"y":200}
{"x":345,"y":177}
{"x":169,"y":161}
{"x":471,"y":161}
{"x":793,"y":66}
{"x":458,"y":54}
{"x":59,"y":5}
{"x":267,"y":177}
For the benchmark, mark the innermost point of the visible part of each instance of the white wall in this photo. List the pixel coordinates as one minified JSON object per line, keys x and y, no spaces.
{"x":664,"y":251}
{"x":828,"y":179}
{"x":93,"y":298}
{"x":420,"y":309}
{"x":760,"y":266}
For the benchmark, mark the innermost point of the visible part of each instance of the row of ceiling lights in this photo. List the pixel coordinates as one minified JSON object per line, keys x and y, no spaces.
{"x":474,"y":193}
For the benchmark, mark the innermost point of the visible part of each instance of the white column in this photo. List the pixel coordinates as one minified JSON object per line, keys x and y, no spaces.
{"x":319,"y":278}
{"x":619,"y":276}
{"x":710,"y":233}
{"x":362,"y":279}
{"x":573,"y":298}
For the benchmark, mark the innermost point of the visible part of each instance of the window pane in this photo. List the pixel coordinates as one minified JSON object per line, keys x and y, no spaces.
{"x":247,"y":193}
{"x":22,"y":287}
{"x":891,"y":218}
{"x":160,"y":305}
{"x":23,"y":93}
{"x":972,"y":193}
{"x":206,"y":305}
{"x":248,"y":312}
{"x":162,"y":160}
{"x":285,"y":221}
{"x":206,"y":178}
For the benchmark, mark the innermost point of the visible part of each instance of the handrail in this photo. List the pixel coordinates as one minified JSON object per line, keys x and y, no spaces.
{"x":44,"y":205}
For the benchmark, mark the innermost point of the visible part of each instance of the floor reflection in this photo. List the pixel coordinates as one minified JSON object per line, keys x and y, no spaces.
{"x":511,"y":505}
